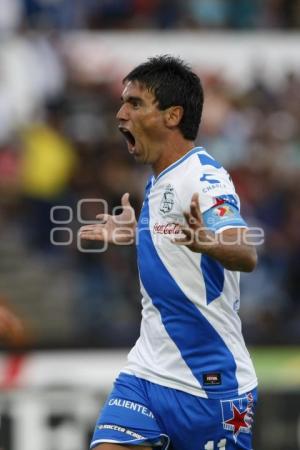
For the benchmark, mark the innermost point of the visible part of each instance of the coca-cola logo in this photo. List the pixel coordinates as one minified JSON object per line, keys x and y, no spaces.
{"x":167,"y":228}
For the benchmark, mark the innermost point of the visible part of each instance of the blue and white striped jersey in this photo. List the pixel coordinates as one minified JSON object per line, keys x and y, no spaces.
{"x":191,"y":336}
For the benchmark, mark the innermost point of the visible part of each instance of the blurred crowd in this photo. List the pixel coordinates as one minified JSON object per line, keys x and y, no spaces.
{"x":61,"y":155}
{"x":155,"y":14}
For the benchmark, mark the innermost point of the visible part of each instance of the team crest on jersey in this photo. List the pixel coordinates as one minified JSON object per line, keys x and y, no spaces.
{"x":167,"y":202}
{"x":237,"y":415}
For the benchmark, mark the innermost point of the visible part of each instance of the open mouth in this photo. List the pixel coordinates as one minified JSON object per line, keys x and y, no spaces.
{"x":128,"y":136}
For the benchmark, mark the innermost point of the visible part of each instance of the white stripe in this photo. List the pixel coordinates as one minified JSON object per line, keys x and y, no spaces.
{"x":156,"y":357}
{"x":114,"y":441}
{"x":219,"y":313}
{"x":216,"y":314}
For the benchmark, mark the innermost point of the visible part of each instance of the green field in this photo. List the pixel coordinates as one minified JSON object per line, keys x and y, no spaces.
{"x":277,"y":367}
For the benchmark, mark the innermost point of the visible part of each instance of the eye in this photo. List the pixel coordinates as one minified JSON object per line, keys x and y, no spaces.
{"x":135,"y":104}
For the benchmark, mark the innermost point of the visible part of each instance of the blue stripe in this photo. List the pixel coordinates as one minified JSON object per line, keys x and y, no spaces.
{"x":213,"y":275}
{"x":209,"y":161}
{"x":201,"y":347}
{"x":177,"y":163}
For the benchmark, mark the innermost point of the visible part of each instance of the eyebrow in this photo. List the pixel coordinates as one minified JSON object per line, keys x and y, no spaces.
{"x":131,"y":99}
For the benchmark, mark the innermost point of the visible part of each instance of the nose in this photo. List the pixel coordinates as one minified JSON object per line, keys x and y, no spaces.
{"x":122,"y":114}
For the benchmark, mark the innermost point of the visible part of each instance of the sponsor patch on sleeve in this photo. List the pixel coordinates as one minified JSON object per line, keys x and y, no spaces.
{"x":223,"y":215}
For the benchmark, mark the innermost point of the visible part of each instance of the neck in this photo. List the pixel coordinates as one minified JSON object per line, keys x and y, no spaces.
{"x":171,"y":152}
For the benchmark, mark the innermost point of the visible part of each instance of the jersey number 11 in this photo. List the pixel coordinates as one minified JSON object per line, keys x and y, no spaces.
{"x":221,"y":445}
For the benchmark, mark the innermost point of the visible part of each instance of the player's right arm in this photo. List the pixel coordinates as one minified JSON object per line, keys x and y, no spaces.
{"x":116,"y":229}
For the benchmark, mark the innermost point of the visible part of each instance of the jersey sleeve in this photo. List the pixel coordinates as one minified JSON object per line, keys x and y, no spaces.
{"x":219,"y":202}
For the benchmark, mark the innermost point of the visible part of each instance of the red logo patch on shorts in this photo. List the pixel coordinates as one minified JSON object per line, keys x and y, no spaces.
{"x":237,"y":415}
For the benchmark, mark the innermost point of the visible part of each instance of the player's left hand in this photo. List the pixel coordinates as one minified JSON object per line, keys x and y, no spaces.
{"x":197,"y":237}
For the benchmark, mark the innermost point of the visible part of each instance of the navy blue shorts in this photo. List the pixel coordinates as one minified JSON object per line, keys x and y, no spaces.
{"x":139,"y":412}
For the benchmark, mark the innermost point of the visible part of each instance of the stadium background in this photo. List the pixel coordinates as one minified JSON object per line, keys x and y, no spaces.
{"x":61,"y":66}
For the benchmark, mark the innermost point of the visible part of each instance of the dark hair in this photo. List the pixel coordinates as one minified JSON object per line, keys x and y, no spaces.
{"x":173,"y":83}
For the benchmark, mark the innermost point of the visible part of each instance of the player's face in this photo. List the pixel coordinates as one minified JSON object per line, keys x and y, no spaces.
{"x":141,"y":123}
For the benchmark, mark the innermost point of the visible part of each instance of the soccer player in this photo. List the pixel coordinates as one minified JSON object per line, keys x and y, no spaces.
{"x":189,"y":383}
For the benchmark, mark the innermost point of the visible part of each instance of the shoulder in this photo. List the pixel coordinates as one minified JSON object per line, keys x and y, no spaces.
{"x":202,"y":173}
{"x":198,"y":163}
{"x":208,"y":173}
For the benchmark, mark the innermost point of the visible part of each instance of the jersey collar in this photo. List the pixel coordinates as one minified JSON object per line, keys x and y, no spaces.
{"x":177,"y":163}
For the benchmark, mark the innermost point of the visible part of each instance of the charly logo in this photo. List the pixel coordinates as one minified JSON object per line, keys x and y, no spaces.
{"x":167,"y":202}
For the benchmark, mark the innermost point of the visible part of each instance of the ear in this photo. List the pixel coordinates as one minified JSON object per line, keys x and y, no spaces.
{"x":173,"y":116}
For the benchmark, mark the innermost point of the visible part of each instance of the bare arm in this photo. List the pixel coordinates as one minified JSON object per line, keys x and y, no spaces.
{"x":119,"y":229}
{"x":230,"y":247}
